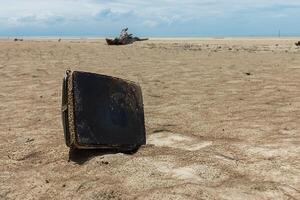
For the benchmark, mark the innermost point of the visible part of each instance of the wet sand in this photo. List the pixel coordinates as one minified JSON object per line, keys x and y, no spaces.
{"x":222,"y":119}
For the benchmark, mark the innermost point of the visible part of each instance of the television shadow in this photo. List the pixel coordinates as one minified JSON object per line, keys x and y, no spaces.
{"x":80,"y":156}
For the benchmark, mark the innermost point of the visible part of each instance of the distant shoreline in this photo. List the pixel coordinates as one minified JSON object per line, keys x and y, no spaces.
{"x":154,"y":38}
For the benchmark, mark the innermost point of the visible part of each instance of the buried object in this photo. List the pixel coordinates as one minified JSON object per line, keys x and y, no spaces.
{"x":100,"y":111}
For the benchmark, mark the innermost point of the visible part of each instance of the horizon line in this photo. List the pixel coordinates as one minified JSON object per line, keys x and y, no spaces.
{"x":150,"y":37}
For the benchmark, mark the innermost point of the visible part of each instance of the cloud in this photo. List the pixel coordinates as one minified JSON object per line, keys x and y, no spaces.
{"x":108,"y":14}
{"x":156,"y":16}
{"x":41,"y":19}
{"x":150,"y":23}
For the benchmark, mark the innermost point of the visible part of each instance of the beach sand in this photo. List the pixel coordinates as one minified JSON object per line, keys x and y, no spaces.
{"x":222,"y":118}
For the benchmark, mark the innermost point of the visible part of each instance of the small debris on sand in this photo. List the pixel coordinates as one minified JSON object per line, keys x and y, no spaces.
{"x":104,"y":162}
{"x":29,"y":140}
{"x":16,"y":39}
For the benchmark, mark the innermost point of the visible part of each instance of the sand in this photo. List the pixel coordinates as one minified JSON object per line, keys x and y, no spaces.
{"x":222,"y":119}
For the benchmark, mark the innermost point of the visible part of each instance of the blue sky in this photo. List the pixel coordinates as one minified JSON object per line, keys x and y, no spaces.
{"x":149,"y":18}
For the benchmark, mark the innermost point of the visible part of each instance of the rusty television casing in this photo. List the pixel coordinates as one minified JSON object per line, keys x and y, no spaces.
{"x":100,"y":111}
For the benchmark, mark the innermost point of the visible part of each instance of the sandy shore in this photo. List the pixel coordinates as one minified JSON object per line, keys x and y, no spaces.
{"x":222,"y":120}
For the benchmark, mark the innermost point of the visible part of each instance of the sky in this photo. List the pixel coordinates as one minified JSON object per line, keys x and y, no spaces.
{"x":156,"y":18}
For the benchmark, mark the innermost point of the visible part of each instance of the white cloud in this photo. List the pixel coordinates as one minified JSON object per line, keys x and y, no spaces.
{"x":150,"y":23}
{"x":149,"y":10}
{"x":35,"y":19}
{"x":23,"y":12}
{"x":155,"y":13}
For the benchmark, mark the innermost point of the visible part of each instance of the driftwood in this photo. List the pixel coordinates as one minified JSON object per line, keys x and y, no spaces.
{"x":124,"y":39}
{"x":117,"y":41}
{"x":16,"y":39}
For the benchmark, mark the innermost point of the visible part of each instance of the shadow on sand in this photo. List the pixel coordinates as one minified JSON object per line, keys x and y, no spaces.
{"x":80,"y":156}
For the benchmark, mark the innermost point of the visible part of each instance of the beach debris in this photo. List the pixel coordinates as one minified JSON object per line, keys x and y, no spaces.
{"x":248,"y":73}
{"x":29,"y":140}
{"x":102,"y":112}
{"x":104,"y":162}
{"x":59,"y":39}
{"x":16,"y":39}
{"x":124,"y":38}
{"x":297,"y":44}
